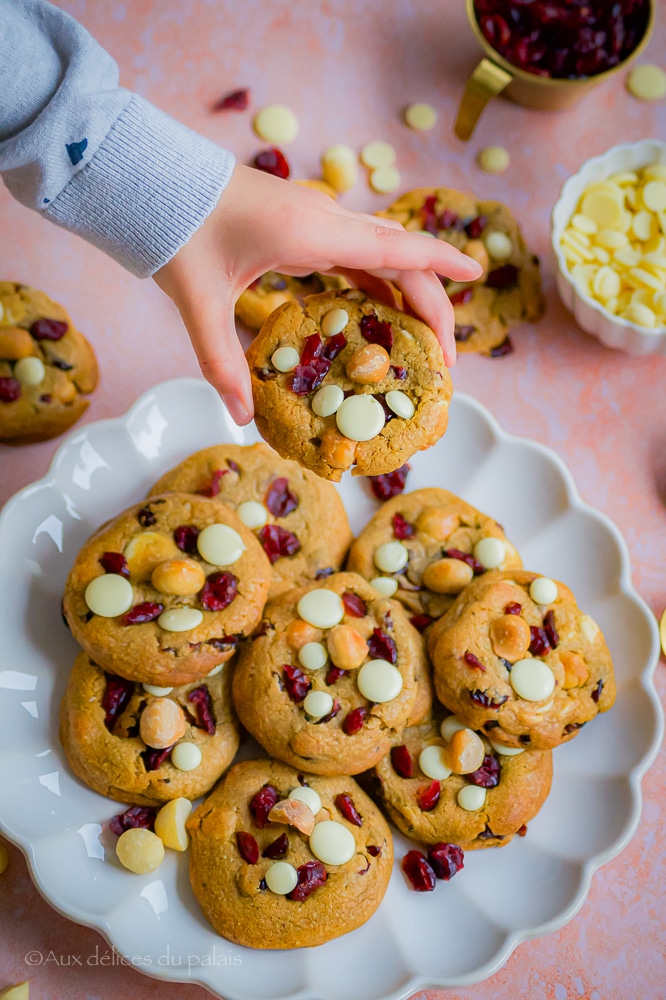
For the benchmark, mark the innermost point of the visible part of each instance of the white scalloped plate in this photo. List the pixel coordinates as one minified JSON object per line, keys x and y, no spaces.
{"x":455,"y":936}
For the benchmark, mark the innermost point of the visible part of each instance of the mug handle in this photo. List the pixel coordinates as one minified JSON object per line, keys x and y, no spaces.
{"x":486,"y":81}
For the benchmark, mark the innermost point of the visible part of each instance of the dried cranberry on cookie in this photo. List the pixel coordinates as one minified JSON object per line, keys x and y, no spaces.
{"x":145,"y":745}
{"x":163,"y":593}
{"x":281,"y":860}
{"x":334,"y":671}
{"x":298,"y":518}
{"x":346,"y":381}
{"x":516,"y":658}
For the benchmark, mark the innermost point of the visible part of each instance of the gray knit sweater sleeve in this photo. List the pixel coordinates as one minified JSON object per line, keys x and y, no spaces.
{"x":90,"y":156}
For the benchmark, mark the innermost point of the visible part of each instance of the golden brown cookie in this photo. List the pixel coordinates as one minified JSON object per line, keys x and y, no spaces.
{"x":346,"y":381}
{"x":163,"y":593}
{"x":267,"y":883}
{"x":46,"y":366}
{"x":509,"y":291}
{"x":269,"y":291}
{"x":425,"y":547}
{"x":480,"y":808}
{"x":298,"y":518}
{"x":105,"y":722}
{"x":330,"y":676}
{"x":518,"y":659}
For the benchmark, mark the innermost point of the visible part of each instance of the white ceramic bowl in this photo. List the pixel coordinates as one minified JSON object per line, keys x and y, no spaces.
{"x":591,"y":315}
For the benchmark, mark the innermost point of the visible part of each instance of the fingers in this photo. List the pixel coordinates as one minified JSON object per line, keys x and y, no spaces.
{"x":423,"y":293}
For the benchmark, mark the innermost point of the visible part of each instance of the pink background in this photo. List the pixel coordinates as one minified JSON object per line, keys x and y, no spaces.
{"x":347,"y":67}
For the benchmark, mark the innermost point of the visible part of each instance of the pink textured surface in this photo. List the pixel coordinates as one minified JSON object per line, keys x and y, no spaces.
{"x":347,"y":67}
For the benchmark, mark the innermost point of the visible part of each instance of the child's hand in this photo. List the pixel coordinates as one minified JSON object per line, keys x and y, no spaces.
{"x":264,"y":224}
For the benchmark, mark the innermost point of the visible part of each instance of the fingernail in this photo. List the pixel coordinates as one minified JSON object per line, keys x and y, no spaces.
{"x":238,"y":410}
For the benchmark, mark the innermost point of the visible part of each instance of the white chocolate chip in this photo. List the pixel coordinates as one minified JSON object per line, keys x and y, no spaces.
{"x":30,"y":371}
{"x":379,"y":681}
{"x":186,"y":756}
{"x":420,"y":117}
{"x":490,"y":552}
{"x":215,"y":671}
{"x":432,"y":761}
{"x":493,"y":159}
{"x":285,"y":359}
{"x":321,"y":608}
{"x":180,"y":619}
{"x":340,"y":151}
{"x":647,"y":82}
{"x":306,"y":794}
{"x":334,"y":322}
{"x":220,"y":545}
{"x":313,"y":656}
{"x":532,"y":679}
{"x":384,"y":180}
{"x":252,"y":513}
{"x":281,"y":878}
{"x":332,"y":843}
{"x":506,"y":751}
{"x":360,"y":418}
{"x":109,"y":595}
{"x":400,"y":403}
{"x":158,"y":692}
{"x":385,"y":585}
{"x":377,"y":154}
{"x":318,"y":704}
{"x":391,"y":557}
{"x":338,"y":168}
{"x":449,"y":726}
{"x":326,"y":401}
{"x":170,"y":824}
{"x":276,"y":123}
{"x":543,"y":590}
{"x":471,"y":798}
{"x":499,"y":245}
{"x":589,"y":627}
{"x":140,"y":850}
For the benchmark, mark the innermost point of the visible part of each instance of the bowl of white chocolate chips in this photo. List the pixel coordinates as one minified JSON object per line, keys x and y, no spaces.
{"x":609,"y":238}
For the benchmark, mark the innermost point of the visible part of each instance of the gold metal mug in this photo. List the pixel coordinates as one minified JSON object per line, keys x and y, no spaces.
{"x":495,"y":75}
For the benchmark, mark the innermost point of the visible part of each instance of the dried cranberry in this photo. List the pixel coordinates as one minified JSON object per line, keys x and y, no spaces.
{"x":475,"y":227}
{"x":573,"y":726}
{"x":382,"y":647}
{"x":506,"y":347}
{"x":272,"y":161}
{"x":596,"y":694}
{"x":296,"y":682}
{"x":334,"y":674}
{"x":539,"y":644}
{"x":212,"y":488}
{"x":345,"y":804}
{"x":399,"y":372}
{"x":448,"y":220}
{"x":513,"y":608}
{"x":312,"y":349}
{"x":48,"y":329}
{"x":463,"y":333}
{"x":219,"y":590}
{"x":147,"y":611}
{"x":138,"y":817}
{"x":473,"y":661}
{"x":185,"y":537}
{"x":261,"y":804}
{"x":421,"y":622}
{"x":418,"y":871}
{"x":277,"y":542}
{"x":402,"y":528}
{"x":306,"y":378}
{"x":224,"y":643}
{"x":429,"y":215}
{"x":355,"y":606}
{"x":445,"y":860}
{"x":483,"y":700}
{"x":549,"y":628}
{"x":46,"y":398}
{"x":146,"y":517}
{"x":390,"y":484}
{"x":279,"y":498}
{"x":427,"y":796}
{"x":115,"y":562}
{"x":311,"y":876}
{"x":248,"y":847}
{"x":333,"y":346}
{"x":277,"y":849}
{"x":237,"y":100}
{"x":504,"y":276}
{"x":401,"y":760}
{"x":10,"y":389}
{"x":117,"y":693}
{"x":353,"y":721}
{"x":388,"y":412}
{"x":377,"y":332}
{"x":488,"y":775}
{"x":461,"y":297}
{"x":374,"y":850}
{"x":465,"y":557}
{"x":331,"y":715}
{"x":203,"y":703}
{"x":523,"y":830}
{"x":153,"y":759}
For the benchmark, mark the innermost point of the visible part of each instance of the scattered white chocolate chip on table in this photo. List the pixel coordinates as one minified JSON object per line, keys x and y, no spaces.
{"x":303,"y":793}
{"x":471,"y":798}
{"x":252,"y":513}
{"x":384,"y":180}
{"x":377,"y":154}
{"x":339,"y":167}
{"x":647,"y":82}
{"x":432,"y":761}
{"x":180,"y":619}
{"x":321,"y":608}
{"x":281,"y":878}
{"x":493,"y":159}
{"x":276,"y":123}
{"x":379,"y":681}
{"x":220,"y":545}
{"x":186,"y":756}
{"x":140,"y":851}
{"x":332,"y":843}
{"x":532,"y":679}
{"x":109,"y":596}
{"x":420,"y":117}
{"x":170,"y":824}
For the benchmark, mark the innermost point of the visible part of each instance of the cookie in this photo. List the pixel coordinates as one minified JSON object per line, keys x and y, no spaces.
{"x":509,"y":291}
{"x":298,"y":518}
{"x":105,"y":722}
{"x":269,"y":291}
{"x":317,"y":870}
{"x":163,"y":593}
{"x":330,"y":676}
{"x":46,"y":367}
{"x":517,"y":659}
{"x":477,"y":808}
{"x":425,"y":547}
